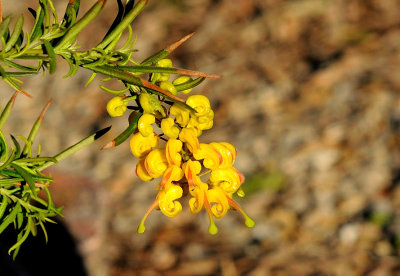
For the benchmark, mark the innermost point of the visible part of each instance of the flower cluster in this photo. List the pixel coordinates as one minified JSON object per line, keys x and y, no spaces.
{"x":183,"y":163}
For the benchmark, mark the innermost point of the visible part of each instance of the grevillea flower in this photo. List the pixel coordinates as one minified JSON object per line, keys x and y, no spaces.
{"x":145,"y":124}
{"x":189,"y":137}
{"x":199,"y":103}
{"x":181,"y":114}
{"x":173,"y":150}
{"x":169,"y":128}
{"x":142,"y":172}
{"x":156,"y":163}
{"x":184,"y":163}
{"x":227,"y":179}
{"x":210,"y":156}
{"x":141,"y":145}
{"x":168,"y":203}
{"x":116,"y":106}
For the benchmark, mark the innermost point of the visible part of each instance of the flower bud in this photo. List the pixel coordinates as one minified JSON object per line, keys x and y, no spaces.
{"x":182,"y":80}
{"x":168,"y":86}
{"x":116,"y":107}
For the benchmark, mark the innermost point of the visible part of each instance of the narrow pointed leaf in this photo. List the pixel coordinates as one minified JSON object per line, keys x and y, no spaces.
{"x":52,"y":56}
{"x":4,"y":26}
{"x":15,"y":34}
{"x":125,"y":134}
{"x":26,"y":176}
{"x":128,"y":18}
{"x":10,"y":217}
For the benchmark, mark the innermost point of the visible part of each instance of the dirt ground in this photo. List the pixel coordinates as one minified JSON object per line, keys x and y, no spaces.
{"x":310,"y":98}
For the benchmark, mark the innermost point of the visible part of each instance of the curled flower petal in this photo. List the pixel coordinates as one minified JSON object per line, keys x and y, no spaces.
{"x":168,"y":86}
{"x":141,"y":171}
{"x":172,"y":173}
{"x":227,"y":151}
{"x":140,"y":145}
{"x":156,"y":163}
{"x":116,"y":106}
{"x":196,"y":203}
{"x":181,"y":114}
{"x":169,"y":128}
{"x":194,"y":124}
{"x":192,"y":169}
{"x":206,"y":122}
{"x":227,"y":179}
{"x":199,"y":103}
{"x":218,"y":201}
{"x":145,"y":102}
{"x":145,"y":124}
{"x":173,"y":149}
{"x":189,"y":137}
{"x":167,"y":200}
{"x":212,"y":158}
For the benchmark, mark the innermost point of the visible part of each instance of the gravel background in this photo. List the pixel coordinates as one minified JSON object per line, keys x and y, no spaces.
{"x":310,"y":98}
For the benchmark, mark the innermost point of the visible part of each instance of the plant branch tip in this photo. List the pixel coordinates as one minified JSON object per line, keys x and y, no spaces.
{"x":25,"y":93}
{"x":175,"y":45}
{"x":109,"y":145}
{"x":41,"y":116}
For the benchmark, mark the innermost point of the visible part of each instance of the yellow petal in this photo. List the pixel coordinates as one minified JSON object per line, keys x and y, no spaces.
{"x":145,"y":124}
{"x":173,"y":149}
{"x":181,"y":114}
{"x":188,"y":136}
{"x":167,"y":200}
{"x":140,"y":145}
{"x":156,"y":163}
{"x":212,"y":158}
{"x":199,"y":103}
{"x":169,"y":128}
{"x":228,"y":179}
{"x":141,"y":171}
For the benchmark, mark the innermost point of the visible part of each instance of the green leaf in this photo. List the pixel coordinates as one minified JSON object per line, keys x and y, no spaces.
{"x":71,"y":13}
{"x":15,"y":34}
{"x":17,"y":146}
{"x":10,"y":217}
{"x":21,"y":239}
{"x":6,"y":111}
{"x":123,"y":24}
{"x":37,"y":26}
{"x":189,"y":84}
{"x":3,"y":206}
{"x":19,"y":66}
{"x":26,"y":176}
{"x":52,"y":56}
{"x":125,"y":134}
{"x":71,"y":34}
{"x":4,"y":26}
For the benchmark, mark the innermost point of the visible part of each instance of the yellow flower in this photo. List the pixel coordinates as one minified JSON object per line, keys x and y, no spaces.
{"x":116,"y":106}
{"x":199,"y":103}
{"x":194,"y":124}
{"x":169,"y":128}
{"x":141,"y":171}
{"x":164,"y":63}
{"x":227,"y":179}
{"x":173,"y":149}
{"x":172,"y":173}
{"x":212,"y":158}
{"x":145,"y":124}
{"x":181,"y":114}
{"x":167,"y":200}
{"x":188,"y":136}
{"x":192,"y":169}
{"x":206,"y":121}
{"x":156,"y":163}
{"x":196,"y":203}
{"x":218,"y":201}
{"x":140,"y":145}
{"x":197,"y":188}
{"x":145,"y":102}
{"x":168,"y":86}
{"x":227,"y":152}
{"x":182,"y":80}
